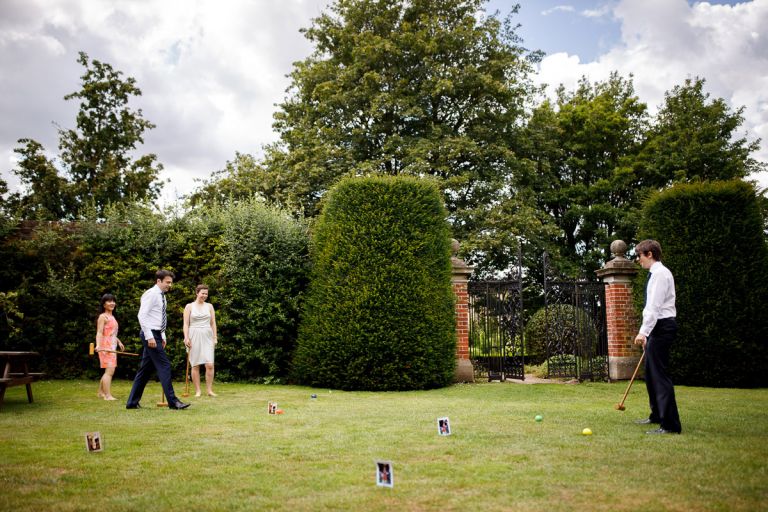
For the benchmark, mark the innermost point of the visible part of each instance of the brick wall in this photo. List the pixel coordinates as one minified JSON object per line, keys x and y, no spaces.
{"x":621,"y":319}
{"x":462,"y":320}
{"x":622,"y":322}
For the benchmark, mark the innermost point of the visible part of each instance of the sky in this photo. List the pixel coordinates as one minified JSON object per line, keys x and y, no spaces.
{"x":213,"y":72}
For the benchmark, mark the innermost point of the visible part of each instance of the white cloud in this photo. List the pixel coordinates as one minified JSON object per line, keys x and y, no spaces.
{"x":663,"y":42}
{"x":210,"y":72}
{"x":601,"y":12}
{"x":558,"y":8}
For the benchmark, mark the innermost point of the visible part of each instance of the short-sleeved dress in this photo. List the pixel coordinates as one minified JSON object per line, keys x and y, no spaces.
{"x":200,"y":334}
{"x":108,"y":342}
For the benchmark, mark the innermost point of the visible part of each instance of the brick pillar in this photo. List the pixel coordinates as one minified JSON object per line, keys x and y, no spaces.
{"x":459,"y":280}
{"x":622,"y":322}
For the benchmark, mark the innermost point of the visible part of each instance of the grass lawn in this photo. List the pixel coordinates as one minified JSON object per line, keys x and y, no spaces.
{"x":227,"y":453}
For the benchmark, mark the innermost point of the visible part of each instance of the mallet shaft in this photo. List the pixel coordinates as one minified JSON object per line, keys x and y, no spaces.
{"x":118,"y":352}
{"x":92,"y":350}
{"x":621,"y":404}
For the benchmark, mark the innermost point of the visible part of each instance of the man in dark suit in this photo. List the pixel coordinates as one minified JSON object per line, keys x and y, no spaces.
{"x":153,"y":319}
{"x":657,"y":333}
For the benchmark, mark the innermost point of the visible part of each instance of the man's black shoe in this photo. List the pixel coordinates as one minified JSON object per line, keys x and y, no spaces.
{"x":135,"y":406}
{"x":645,"y":421}
{"x":662,"y":431}
{"x":178,"y":405}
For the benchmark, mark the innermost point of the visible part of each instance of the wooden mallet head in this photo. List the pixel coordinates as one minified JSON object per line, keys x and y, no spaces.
{"x":90,"y":349}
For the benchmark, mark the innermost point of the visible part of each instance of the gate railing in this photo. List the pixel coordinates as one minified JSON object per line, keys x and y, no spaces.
{"x":575,"y":341}
{"x":496,"y":345}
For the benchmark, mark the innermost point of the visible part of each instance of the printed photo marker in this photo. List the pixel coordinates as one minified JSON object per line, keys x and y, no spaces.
{"x":385,"y":476}
{"x":93,"y":442}
{"x":443,"y":426}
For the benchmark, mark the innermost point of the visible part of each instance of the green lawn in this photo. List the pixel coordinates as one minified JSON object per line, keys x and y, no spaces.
{"x":227,"y":453}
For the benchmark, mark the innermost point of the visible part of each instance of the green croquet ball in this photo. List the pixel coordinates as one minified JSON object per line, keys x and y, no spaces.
{"x":586,"y":432}
{"x":539,"y":417}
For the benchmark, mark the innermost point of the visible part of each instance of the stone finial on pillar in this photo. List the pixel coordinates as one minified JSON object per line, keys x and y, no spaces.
{"x":621,"y":321}
{"x":459,"y":280}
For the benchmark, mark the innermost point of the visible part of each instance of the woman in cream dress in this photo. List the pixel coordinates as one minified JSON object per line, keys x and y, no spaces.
{"x":200,"y":337}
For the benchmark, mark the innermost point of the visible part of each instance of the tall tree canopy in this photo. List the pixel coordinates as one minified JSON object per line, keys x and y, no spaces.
{"x":95,"y":157}
{"x":241,"y":178}
{"x":420,"y":87}
{"x":583,"y":151}
{"x":46,"y":196}
{"x":434,"y":88}
{"x":596,"y":155}
{"x":695,"y":138}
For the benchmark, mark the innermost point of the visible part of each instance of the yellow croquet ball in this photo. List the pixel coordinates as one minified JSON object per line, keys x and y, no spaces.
{"x":586,"y":432}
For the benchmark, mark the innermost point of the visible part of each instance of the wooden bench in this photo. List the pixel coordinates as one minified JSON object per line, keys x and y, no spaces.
{"x":16,"y":372}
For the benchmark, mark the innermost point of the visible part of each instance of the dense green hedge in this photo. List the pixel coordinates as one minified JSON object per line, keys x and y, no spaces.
{"x":712,"y":240}
{"x":255,"y":260}
{"x":379,"y":310}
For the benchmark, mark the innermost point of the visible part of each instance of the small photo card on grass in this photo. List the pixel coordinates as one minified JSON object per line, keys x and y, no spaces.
{"x":272,"y":407}
{"x":385,"y":476}
{"x":443,"y":426}
{"x":93,"y":442}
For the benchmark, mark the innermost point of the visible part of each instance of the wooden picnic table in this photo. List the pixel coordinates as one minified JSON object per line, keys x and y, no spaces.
{"x":16,"y":372}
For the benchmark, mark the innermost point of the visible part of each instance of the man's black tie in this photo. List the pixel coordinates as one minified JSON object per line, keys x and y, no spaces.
{"x":165,"y":320}
{"x":647,"y":282}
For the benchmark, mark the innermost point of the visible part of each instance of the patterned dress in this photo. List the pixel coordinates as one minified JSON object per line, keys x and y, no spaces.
{"x":108,"y":342}
{"x":200,"y":335}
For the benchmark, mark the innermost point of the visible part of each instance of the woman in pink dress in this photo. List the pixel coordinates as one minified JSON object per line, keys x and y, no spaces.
{"x":106,"y":339}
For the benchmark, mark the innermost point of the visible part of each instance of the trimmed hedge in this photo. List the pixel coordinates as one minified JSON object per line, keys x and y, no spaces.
{"x":712,"y":240}
{"x":379,"y":310}
{"x":263,"y":279}
{"x":254,"y":258}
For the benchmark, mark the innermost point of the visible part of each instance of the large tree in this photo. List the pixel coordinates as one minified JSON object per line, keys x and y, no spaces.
{"x":420,"y":87}
{"x":696,"y":138}
{"x":46,"y":196}
{"x":596,"y":155}
{"x":241,"y":178}
{"x":95,"y":158}
{"x":583,"y":152}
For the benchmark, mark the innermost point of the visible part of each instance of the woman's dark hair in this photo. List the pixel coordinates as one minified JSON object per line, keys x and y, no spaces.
{"x":201,"y":287}
{"x":105,"y":298}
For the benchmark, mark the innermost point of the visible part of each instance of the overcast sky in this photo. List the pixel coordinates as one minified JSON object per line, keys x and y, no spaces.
{"x":212,"y":71}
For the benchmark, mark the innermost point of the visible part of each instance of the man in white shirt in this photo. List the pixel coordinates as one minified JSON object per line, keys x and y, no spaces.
{"x":152,"y":320}
{"x":657,"y":333}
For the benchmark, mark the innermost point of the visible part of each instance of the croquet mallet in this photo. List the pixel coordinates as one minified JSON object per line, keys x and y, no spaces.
{"x":162,"y":402}
{"x":92,"y":350}
{"x":186,"y":379}
{"x":620,"y":406}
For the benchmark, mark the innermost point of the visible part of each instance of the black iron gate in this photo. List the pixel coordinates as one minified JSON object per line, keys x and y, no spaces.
{"x":572,"y":336}
{"x":576,"y":341}
{"x":496,"y":329}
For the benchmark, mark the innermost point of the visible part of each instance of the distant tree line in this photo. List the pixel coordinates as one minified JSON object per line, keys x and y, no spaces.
{"x":422,"y":88}
{"x":95,"y":166}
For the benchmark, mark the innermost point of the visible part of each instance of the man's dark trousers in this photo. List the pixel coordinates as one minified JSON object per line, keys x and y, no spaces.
{"x":152,"y":357}
{"x":661,"y":392}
